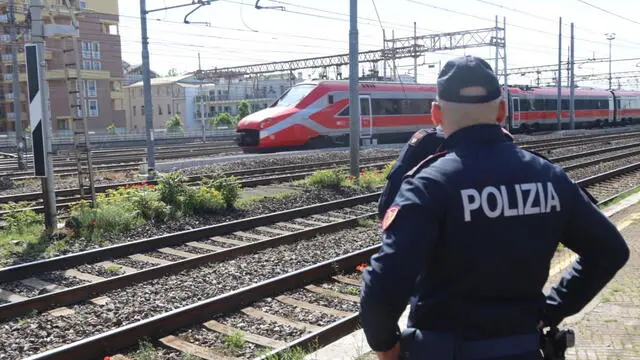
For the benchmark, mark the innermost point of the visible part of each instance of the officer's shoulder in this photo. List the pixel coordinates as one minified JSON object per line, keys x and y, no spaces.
{"x":422,"y":134}
{"x":426,"y":163}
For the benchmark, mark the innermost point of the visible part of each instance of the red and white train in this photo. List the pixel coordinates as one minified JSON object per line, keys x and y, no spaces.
{"x":316,"y":114}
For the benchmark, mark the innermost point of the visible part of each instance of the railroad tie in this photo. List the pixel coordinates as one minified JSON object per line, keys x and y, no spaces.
{"x":312,"y":307}
{"x":331,"y":293}
{"x":83,"y":276}
{"x":311,"y":222}
{"x":346,"y":280}
{"x":272,"y":230}
{"x":112,"y":265}
{"x":252,"y":338}
{"x":205,"y":246}
{"x":10,"y":297}
{"x":251,"y":236}
{"x":180,"y":253}
{"x":229,"y":241}
{"x":149,"y":259}
{"x":292,"y":225}
{"x":190,"y":348}
{"x":253,"y":312}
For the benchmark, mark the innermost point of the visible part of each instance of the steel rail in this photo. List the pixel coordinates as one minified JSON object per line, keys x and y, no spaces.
{"x":189,"y":179}
{"x":592,"y":180}
{"x":119,"y":250}
{"x":83,"y":292}
{"x":164,"y":324}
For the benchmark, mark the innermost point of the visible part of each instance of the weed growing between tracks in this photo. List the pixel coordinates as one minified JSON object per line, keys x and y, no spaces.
{"x":335,"y":179}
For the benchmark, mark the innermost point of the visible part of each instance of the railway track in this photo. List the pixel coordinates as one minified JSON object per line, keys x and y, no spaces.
{"x":260,"y":176}
{"x":168,"y":254}
{"x":130,"y":159}
{"x":119,"y":161}
{"x":247,"y":178}
{"x":329,"y":288}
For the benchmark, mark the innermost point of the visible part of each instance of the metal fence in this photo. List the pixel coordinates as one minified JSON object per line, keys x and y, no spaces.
{"x":9,"y":139}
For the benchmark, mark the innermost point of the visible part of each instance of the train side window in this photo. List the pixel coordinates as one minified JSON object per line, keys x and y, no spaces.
{"x":539,"y":105}
{"x":364,"y":107}
{"x":344,"y":112}
{"x":524,"y":105}
{"x":330,"y":99}
{"x":565,"y":104}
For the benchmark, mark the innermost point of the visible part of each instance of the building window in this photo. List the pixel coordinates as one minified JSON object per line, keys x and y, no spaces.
{"x":92,"y":89}
{"x":169,"y":109}
{"x":97,"y":65}
{"x":63,"y":124}
{"x":83,"y":4}
{"x":93,"y":108}
{"x":134,"y":110}
{"x":95,"y":47}
{"x":178,"y":109}
{"x":86,"y":50}
{"x":86,"y":64}
{"x":142,"y":110}
{"x":159,"y":110}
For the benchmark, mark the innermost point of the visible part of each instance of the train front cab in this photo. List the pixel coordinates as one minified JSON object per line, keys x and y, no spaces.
{"x":276,"y":127}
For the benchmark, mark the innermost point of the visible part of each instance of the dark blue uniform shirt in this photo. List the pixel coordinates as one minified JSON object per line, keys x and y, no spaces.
{"x":421,"y":145}
{"x":471,"y":242}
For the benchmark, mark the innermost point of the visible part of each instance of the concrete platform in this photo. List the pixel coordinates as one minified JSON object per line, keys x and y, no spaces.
{"x":607,"y":328}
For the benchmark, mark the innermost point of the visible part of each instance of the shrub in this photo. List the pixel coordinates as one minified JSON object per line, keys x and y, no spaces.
{"x":224,"y":119}
{"x":368,"y":180}
{"x":109,"y":217}
{"x":327,"y":179}
{"x":387,"y":169}
{"x":226,"y":186}
{"x":19,"y":220}
{"x":172,"y":188}
{"x":202,"y":200}
{"x":150,"y":207}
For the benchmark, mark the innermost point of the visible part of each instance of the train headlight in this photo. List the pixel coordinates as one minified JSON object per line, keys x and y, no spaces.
{"x":265,"y":123}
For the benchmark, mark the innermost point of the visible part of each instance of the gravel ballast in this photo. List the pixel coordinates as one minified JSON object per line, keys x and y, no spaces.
{"x":164,"y":294}
{"x":586,"y":172}
{"x":278,"y":308}
{"x":305,"y":197}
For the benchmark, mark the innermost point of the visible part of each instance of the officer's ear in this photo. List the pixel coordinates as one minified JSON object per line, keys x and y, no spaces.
{"x":502,"y":111}
{"x":436,"y":113}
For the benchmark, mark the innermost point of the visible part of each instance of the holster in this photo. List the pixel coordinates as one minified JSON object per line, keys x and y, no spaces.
{"x":417,"y":344}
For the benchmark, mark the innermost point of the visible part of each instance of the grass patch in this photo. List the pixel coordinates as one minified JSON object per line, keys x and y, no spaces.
{"x":146,"y":351}
{"x":369,"y":179}
{"x":114,"y":268}
{"x":235,"y":341}
{"x":368,"y":222}
{"x":295,"y":353}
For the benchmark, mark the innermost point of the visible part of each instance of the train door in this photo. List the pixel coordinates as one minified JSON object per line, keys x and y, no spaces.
{"x":515,"y":112}
{"x":366,"y":117}
{"x":612,"y":108}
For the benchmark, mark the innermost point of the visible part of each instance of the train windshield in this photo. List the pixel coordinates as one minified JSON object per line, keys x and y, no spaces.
{"x":293,"y":96}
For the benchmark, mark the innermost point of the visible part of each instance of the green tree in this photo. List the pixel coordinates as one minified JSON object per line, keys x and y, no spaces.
{"x":172,"y":72}
{"x":111,"y":129}
{"x":243,"y":110}
{"x":174,"y":124}
{"x":224,"y":119}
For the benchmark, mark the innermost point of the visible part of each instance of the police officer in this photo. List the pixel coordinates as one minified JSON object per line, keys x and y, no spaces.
{"x":470,"y":237}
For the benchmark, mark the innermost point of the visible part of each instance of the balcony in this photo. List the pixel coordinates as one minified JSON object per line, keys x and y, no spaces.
{"x":117,"y":95}
{"x":7,"y":77}
{"x":6,"y":58}
{"x":9,"y":97}
{"x":11,"y":115}
{"x":86,"y":75}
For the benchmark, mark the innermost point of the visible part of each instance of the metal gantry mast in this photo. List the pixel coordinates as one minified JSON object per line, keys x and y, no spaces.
{"x":400,"y":48}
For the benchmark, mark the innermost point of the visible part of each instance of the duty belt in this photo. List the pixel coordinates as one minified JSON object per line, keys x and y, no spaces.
{"x":419,"y":344}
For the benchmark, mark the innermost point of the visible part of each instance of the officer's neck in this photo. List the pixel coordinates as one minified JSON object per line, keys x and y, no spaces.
{"x":479,"y":132}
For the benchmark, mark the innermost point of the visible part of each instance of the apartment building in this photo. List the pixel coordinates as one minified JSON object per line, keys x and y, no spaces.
{"x":101,"y":66}
{"x":170,"y":96}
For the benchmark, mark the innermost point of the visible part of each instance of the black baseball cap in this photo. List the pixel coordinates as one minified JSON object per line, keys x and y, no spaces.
{"x":464,"y":72}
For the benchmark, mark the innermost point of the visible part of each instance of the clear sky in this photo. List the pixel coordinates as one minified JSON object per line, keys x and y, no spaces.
{"x":239,"y":34}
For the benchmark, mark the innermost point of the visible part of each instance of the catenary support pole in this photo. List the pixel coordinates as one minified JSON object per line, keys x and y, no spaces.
{"x":559,"y":79}
{"x":354,"y":96}
{"x":572,"y":84}
{"x":38,"y":98}
{"x":146,"y":81}
{"x":21,"y":144}
{"x":415,"y":49}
